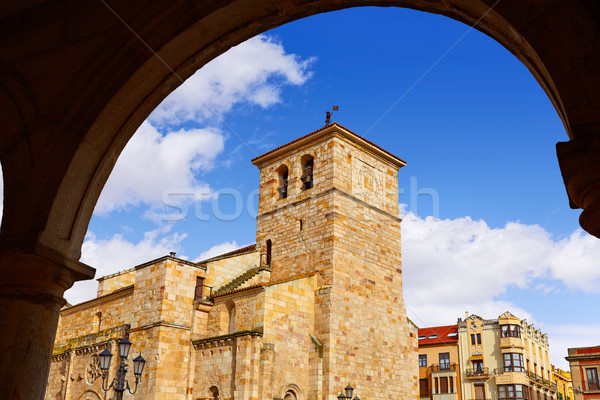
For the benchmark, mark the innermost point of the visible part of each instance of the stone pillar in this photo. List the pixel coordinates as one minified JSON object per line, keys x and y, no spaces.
{"x":579,"y":161}
{"x":31,"y":296}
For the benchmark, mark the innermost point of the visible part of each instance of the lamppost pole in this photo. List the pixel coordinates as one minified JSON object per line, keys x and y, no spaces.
{"x":120,"y":386}
{"x":119,"y":383}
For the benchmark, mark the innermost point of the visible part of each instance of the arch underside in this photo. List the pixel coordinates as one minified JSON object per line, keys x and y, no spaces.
{"x":114,"y":67}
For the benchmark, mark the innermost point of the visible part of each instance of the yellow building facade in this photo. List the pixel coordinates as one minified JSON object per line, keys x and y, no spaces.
{"x":439,"y":375}
{"x":314,"y":306}
{"x":564,"y":384}
{"x":504,"y":358}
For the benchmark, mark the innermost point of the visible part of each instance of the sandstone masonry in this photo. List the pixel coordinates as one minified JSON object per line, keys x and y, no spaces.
{"x":315,"y":305}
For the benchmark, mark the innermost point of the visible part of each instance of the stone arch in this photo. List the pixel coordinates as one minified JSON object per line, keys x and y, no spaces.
{"x":291,"y":391}
{"x":213,"y":388}
{"x":283,"y":178}
{"x":214,"y":393}
{"x":307,"y":166}
{"x":89,"y":395}
{"x":105,"y":116}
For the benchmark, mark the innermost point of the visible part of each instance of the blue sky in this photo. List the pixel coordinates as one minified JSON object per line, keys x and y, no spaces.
{"x":485,"y":211}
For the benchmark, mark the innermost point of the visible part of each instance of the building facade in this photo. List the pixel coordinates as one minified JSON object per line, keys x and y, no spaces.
{"x":439,"y":375}
{"x":315,"y":305}
{"x":584,"y":363}
{"x":564,"y":384}
{"x":504,"y":358}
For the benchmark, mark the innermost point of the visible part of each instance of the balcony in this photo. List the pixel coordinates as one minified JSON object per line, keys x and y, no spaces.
{"x":477,"y":373}
{"x":511,"y":342}
{"x":445,"y":367}
{"x":203,"y":292}
{"x":512,"y":377}
{"x":541,"y":382}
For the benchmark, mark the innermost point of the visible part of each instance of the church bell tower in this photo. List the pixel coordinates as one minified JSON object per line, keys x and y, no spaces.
{"x":328,"y":205}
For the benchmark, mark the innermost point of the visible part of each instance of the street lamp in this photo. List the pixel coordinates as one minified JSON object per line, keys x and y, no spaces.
{"x":347,"y":394}
{"x":119,"y":383}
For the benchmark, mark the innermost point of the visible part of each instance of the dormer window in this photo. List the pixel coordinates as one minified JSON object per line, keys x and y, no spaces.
{"x":283,"y":181}
{"x":307,"y":162}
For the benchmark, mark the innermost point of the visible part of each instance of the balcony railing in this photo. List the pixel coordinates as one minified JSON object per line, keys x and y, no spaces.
{"x":443,"y":367}
{"x":477,"y":372}
{"x":203,"y":292}
{"x":538,"y":380}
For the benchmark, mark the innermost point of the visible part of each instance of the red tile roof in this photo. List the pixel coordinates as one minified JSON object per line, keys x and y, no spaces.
{"x":442,"y":333}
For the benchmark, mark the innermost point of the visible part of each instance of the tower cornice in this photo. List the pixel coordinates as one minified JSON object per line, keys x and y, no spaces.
{"x":333,"y":129}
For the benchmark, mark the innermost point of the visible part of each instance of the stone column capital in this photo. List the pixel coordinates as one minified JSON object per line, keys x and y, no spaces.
{"x":39,"y":272}
{"x":579,"y":161}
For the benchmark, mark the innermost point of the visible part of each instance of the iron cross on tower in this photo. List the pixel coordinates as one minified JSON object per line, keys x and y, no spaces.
{"x":328,"y":115}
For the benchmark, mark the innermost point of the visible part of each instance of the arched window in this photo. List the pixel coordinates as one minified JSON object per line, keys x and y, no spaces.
{"x":283,"y":181}
{"x":231,"y":310}
{"x":307,"y":162}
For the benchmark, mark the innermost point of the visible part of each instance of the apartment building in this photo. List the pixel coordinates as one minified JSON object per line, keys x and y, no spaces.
{"x":564,"y":383}
{"x":479,"y":359}
{"x":505,"y":359}
{"x":438,"y":363}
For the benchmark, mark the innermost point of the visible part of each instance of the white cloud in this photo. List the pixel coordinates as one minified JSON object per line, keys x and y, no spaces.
{"x":573,"y":262}
{"x":453,"y":266}
{"x":562,"y":337}
{"x":217,"y":250}
{"x":253,"y":72}
{"x":462,"y":253}
{"x":117,"y":254}
{"x":152,"y":166}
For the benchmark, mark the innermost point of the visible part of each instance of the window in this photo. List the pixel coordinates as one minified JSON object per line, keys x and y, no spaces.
{"x":475,"y":338}
{"x":513,"y":362}
{"x":478,"y":366}
{"x":307,"y":162}
{"x":592,"y":378}
{"x":434,"y":336}
{"x":444,"y":360}
{"x":511,"y":331}
{"x":423,"y":387}
{"x":283,"y":181}
{"x":269,"y":245}
{"x":453,"y":334}
{"x":422,"y":337}
{"x":422,"y":360}
{"x":512,"y":392}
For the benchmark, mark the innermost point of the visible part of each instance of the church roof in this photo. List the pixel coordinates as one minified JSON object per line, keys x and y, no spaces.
{"x":247,"y":249}
{"x":324,"y":130}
